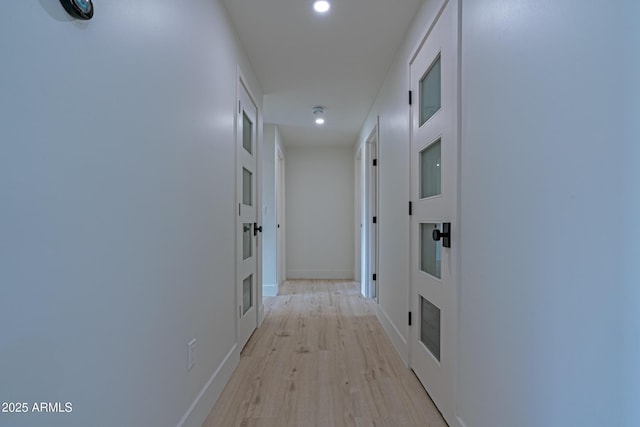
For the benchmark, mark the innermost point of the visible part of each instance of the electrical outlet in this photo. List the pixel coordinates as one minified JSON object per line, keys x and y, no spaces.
{"x":192,"y":354}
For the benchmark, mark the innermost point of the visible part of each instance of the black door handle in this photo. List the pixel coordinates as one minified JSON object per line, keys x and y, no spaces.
{"x":256,"y":229}
{"x":445,"y":234}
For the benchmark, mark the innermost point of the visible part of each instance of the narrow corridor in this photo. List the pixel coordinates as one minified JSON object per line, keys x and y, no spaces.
{"x":321,"y":358}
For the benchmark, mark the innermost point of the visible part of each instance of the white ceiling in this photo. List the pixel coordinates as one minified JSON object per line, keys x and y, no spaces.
{"x":338,"y":60}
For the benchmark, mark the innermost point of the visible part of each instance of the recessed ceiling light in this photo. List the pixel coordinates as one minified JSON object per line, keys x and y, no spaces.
{"x":319,"y":121}
{"x":321,"y":6}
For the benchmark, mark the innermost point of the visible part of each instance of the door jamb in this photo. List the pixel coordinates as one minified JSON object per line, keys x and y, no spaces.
{"x":281,"y":258}
{"x":372,"y":197}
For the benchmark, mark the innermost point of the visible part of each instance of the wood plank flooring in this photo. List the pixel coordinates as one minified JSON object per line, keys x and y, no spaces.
{"x":321,"y":358}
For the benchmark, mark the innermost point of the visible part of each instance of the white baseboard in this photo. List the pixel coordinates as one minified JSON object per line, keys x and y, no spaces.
{"x":397,"y":339}
{"x":200,"y":408}
{"x":320,"y":274}
{"x":269,"y":290}
{"x":260,"y":315}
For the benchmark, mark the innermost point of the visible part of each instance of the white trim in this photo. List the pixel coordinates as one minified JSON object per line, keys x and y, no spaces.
{"x":201,"y":406}
{"x":260,"y":313}
{"x":281,"y":213}
{"x":423,"y":40}
{"x":320,"y":274}
{"x":270,"y":290}
{"x":372,"y":208}
{"x":397,"y":339}
{"x":357,"y":265}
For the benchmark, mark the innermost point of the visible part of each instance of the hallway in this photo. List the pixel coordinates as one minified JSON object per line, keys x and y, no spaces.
{"x":321,"y":358}
{"x":166,"y":166}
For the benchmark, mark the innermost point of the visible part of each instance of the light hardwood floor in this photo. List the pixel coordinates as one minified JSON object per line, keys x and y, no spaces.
{"x":321,"y":358}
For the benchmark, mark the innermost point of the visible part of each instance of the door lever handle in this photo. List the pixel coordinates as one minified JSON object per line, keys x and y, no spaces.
{"x":256,"y":229}
{"x":445,"y":234}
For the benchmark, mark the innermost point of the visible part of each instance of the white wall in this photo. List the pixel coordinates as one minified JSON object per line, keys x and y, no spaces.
{"x":118,"y":210}
{"x":392,"y":105}
{"x":549,"y":300}
{"x":320,"y":204}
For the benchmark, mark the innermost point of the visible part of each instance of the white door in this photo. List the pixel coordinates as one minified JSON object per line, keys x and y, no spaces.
{"x":247,"y":224}
{"x":434,"y":193}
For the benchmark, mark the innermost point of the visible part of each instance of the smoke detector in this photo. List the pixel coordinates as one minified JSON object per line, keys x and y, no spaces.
{"x":318,"y":112}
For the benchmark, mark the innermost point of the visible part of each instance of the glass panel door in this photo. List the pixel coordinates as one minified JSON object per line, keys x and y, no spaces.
{"x":248,"y":277}
{"x":434,"y":193}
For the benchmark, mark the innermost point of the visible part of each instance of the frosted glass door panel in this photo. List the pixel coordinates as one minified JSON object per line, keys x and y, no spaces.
{"x":247,"y":190}
{"x":247,"y":137}
{"x":431,"y":171}
{"x":247,"y":241}
{"x":247,"y":294}
{"x":430,"y":250}
{"x":430,"y":326}
{"x":430,"y":92}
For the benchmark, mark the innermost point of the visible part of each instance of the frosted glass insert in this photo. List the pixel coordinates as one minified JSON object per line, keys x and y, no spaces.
{"x":247,"y":294}
{"x":430,"y":250}
{"x":247,"y":137}
{"x":430,"y":327}
{"x":431,"y":170}
{"x":430,"y":92}
{"x":247,"y":191}
{"x":247,"y":241}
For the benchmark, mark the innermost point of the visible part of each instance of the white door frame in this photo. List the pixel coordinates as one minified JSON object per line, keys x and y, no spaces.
{"x":372,"y":204}
{"x":445,"y":398}
{"x":247,"y":322}
{"x":366,"y":208}
{"x":280,"y":217}
{"x":357,"y":160}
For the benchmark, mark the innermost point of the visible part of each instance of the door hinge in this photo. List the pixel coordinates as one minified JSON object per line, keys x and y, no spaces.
{"x":375,"y":219}
{"x":409,"y":318}
{"x":239,"y":107}
{"x":374,"y":277}
{"x":410,"y":208}
{"x":375,"y":162}
{"x":239,"y":209}
{"x":410,"y":98}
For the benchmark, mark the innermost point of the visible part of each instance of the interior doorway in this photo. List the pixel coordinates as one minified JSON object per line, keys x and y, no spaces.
{"x":366,"y":214}
{"x":280,"y":217}
{"x":358,"y":214}
{"x":372,"y":214}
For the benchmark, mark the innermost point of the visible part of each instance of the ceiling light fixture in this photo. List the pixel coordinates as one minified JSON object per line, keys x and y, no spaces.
{"x":318,"y":112}
{"x":321,"y":6}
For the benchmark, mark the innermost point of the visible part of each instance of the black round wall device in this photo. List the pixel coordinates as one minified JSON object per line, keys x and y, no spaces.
{"x":80,"y":9}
